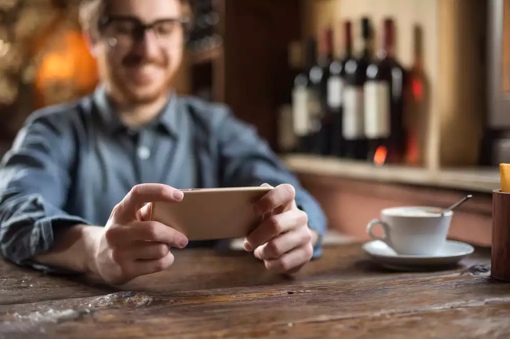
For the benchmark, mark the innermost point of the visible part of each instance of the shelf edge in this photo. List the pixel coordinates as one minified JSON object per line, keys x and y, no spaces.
{"x":459,"y":179}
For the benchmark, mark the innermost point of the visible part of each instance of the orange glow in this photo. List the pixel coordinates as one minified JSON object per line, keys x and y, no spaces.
{"x":56,"y":66}
{"x":413,"y":151}
{"x":69,"y":65}
{"x":380,"y":155}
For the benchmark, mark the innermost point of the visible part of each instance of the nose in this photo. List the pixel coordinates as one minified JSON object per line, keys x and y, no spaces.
{"x":148,"y":44}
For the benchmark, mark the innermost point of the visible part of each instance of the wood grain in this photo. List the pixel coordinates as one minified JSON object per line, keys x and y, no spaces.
{"x":230,"y":295}
{"x":21,"y":285}
{"x":501,"y":236}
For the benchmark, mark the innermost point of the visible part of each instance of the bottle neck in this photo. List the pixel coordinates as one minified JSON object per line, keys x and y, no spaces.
{"x":325,"y":51}
{"x":311,"y":53}
{"x":366,"y":48}
{"x":348,"y":40}
{"x":366,"y":41}
{"x":389,"y":39}
{"x":418,"y":47}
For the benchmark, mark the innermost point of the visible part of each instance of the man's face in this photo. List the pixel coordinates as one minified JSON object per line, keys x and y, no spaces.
{"x":138,"y":65}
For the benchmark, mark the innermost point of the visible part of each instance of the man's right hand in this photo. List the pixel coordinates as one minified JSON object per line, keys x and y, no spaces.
{"x":130,"y":245}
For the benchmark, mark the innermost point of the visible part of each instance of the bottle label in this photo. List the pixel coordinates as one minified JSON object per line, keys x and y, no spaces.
{"x":314,"y":111}
{"x":335,"y":88}
{"x":377,"y":109}
{"x":286,"y":135}
{"x":353,"y":114}
{"x":300,"y":111}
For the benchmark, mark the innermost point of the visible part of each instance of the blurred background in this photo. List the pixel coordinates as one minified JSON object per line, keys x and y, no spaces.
{"x":371,"y":102}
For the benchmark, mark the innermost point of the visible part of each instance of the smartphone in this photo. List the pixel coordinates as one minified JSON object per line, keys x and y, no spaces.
{"x":212,"y":213}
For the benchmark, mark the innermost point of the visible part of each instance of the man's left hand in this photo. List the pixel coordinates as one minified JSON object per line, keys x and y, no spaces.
{"x":283,"y":240}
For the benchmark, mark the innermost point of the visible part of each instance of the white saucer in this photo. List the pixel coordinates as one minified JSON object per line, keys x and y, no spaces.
{"x":452,"y":253}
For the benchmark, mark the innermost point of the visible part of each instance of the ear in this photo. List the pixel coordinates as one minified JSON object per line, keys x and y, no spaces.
{"x":91,"y":40}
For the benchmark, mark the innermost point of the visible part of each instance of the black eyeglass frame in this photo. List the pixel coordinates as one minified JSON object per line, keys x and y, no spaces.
{"x":141,"y":27}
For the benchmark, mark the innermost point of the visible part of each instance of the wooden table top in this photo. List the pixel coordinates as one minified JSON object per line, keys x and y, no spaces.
{"x":211,"y":294}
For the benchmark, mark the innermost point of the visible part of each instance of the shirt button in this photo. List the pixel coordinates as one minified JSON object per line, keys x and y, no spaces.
{"x":143,"y":152}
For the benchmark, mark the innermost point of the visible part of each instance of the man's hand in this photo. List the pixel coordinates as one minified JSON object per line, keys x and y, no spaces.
{"x":130,"y":245}
{"x":283,"y":240}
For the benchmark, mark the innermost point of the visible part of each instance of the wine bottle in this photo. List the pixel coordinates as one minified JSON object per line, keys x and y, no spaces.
{"x":286,"y":135}
{"x":353,"y":125}
{"x":306,"y":103}
{"x":416,"y":106}
{"x":336,"y":92}
{"x":319,"y":76}
{"x":384,"y":103}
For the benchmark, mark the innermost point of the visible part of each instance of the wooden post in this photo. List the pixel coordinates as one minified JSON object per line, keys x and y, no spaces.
{"x":500,"y":259}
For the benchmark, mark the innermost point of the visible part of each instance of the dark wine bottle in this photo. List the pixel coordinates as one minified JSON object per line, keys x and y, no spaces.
{"x":336,"y":93}
{"x":306,"y":103}
{"x":319,"y":76}
{"x":384,"y":103}
{"x":353,"y":122}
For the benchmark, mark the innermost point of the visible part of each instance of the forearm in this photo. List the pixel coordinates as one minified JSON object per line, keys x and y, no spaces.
{"x":74,"y":249}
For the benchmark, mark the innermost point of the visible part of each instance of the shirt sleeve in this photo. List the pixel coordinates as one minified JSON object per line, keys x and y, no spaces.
{"x":247,"y":160}
{"x":34,"y":183}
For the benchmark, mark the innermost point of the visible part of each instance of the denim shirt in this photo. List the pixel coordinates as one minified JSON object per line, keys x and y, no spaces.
{"x":71,"y":164}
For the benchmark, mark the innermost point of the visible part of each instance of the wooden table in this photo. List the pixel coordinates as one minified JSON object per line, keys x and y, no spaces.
{"x":211,"y":294}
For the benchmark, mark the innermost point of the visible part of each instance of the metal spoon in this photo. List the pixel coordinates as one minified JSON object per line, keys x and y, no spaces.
{"x":453,"y":206}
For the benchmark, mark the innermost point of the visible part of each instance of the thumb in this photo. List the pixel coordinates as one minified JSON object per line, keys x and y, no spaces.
{"x":145,"y":214}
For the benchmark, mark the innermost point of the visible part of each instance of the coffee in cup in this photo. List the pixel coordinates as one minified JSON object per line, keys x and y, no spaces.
{"x":413,"y":230}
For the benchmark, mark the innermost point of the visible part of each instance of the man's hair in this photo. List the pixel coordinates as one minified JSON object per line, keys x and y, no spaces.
{"x":91,"y":12}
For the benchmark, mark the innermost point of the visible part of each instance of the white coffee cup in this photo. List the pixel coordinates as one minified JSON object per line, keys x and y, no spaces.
{"x":413,"y":230}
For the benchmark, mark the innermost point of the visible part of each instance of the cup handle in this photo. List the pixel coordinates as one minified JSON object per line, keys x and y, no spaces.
{"x":385,"y":227}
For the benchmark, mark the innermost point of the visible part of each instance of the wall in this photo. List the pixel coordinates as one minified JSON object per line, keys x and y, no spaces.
{"x":350,"y":204}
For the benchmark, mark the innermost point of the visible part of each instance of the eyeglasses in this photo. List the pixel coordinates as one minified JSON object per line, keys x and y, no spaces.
{"x":125,"y":30}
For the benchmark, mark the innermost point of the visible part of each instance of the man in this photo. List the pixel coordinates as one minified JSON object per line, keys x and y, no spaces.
{"x":74,"y":186}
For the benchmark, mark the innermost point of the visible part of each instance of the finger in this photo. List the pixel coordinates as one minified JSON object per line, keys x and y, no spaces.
{"x":127,"y":209}
{"x":126,"y":235}
{"x":276,"y":225}
{"x":282,"y":195}
{"x":292,"y":260}
{"x":267,"y":185}
{"x":284,"y":243}
{"x":145,"y":213}
{"x":143,"y":250}
{"x":145,"y":267}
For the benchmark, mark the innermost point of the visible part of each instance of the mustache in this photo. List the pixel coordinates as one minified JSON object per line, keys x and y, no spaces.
{"x":137,"y":60}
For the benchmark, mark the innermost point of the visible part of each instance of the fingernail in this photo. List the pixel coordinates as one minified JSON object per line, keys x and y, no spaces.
{"x":178,"y":195}
{"x":183,"y":243}
{"x":247,"y":246}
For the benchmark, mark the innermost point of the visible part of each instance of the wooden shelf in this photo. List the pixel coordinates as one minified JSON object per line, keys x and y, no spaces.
{"x":205,"y":56}
{"x":468,"y":179}
{"x":453,"y":102}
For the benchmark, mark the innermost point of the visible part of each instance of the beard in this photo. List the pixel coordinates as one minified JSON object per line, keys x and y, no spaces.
{"x":139,"y":79}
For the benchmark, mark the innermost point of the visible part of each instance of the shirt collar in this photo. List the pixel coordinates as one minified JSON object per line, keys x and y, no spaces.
{"x":167,"y":120}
